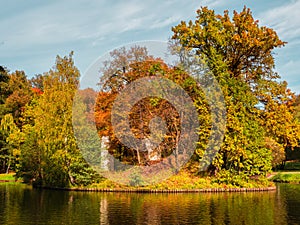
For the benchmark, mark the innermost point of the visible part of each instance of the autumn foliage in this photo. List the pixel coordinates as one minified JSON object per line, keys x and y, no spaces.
{"x":143,"y":111}
{"x":262,"y":114}
{"x":238,"y":51}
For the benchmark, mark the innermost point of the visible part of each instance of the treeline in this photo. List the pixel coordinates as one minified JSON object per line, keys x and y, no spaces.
{"x":37,"y":139}
{"x":262,"y":114}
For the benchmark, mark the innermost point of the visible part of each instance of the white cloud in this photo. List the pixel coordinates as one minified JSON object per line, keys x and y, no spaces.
{"x":159,"y":23}
{"x":292,"y":67}
{"x":284,"y":19}
{"x":295,"y":88}
{"x":35,"y":31}
{"x":65,"y":21}
{"x":213,"y":3}
{"x":50,"y":26}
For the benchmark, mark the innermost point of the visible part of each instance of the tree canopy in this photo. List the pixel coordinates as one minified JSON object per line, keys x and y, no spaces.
{"x":262,"y":113}
{"x":239,"y":52}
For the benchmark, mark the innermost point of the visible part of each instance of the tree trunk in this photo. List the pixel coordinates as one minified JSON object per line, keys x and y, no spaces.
{"x":71,"y":178}
{"x":138,"y":156}
{"x":8,"y":166}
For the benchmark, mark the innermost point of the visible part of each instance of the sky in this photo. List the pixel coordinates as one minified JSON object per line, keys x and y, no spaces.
{"x":33,"y":32}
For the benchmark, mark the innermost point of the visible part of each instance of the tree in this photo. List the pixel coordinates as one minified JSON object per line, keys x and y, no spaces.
{"x":11,"y":149}
{"x":145,"y":111}
{"x":38,"y":82}
{"x":20,"y":94}
{"x":4,"y":91}
{"x":297,"y":107}
{"x":15,"y":93}
{"x":127,"y":66}
{"x":239,"y":54}
{"x":56,"y":159}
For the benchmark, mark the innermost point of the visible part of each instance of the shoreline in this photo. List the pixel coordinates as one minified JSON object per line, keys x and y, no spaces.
{"x":6,"y":181}
{"x":147,"y":189}
{"x":144,"y":190}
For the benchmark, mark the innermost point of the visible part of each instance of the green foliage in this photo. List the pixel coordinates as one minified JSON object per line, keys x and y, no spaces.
{"x":238,"y":52}
{"x":287,"y":178}
{"x":184,"y":180}
{"x":37,"y":138}
{"x":30,"y":163}
{"x":49,"y":154}
{"x":15,"y":93}
{"x":278,"y":152}
{"x":292,"y":165}
{"x":135,"y":179}
{"x":8,"y":177}
{"x":13,"y":138}
{"x":228,"y":177}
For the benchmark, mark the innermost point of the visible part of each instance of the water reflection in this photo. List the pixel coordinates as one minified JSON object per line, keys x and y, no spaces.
{"x":23,"y":205}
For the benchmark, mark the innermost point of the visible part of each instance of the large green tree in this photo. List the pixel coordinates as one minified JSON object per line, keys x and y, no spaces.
{"x":239,"y":53}
{"x":10,"y":150}
{"x":15,"y":93}
{"x":50,"y":155}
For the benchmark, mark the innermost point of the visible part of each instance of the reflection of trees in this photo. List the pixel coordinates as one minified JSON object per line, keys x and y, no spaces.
{"x":289,"y":199}
{"x":103,"y":211}
{"x":21,"y":206}
{"x":211,"y":208}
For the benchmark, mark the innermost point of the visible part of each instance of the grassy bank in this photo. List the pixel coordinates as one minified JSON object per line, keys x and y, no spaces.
{"x":186,"y":181}
{"x":182,"y":181}
{"x":287,"y":177}
{"x":10,"y":177}
{"x":292,"y":166}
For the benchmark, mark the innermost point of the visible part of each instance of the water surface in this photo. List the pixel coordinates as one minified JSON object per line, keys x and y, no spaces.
{"x":21,"y":204}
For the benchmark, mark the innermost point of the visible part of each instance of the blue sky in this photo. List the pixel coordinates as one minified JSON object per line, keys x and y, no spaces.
{"x":33,"y":32}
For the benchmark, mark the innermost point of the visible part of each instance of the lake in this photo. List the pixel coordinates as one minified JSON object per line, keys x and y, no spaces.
{"x":20,"y":204}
